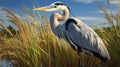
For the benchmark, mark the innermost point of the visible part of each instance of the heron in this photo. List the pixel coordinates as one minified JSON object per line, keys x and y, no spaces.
{"x":81,"y":37}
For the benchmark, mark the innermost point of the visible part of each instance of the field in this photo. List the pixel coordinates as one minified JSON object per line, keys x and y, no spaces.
{"x":32,"y":43}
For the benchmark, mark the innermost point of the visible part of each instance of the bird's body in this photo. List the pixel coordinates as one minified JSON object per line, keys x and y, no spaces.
{"x":80,"y":36}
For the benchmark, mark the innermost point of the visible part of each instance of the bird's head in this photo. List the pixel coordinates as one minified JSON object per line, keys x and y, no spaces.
{"x":56,"y":6}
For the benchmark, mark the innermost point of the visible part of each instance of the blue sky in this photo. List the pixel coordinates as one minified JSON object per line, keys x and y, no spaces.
{"x":86,"y":10}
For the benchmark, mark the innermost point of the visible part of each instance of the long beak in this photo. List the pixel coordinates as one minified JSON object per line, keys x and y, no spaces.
{"x":43,"y":8}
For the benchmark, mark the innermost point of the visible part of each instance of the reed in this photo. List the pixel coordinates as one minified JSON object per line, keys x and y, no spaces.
{"x":36,"y":46}
{"x":111,"y":35}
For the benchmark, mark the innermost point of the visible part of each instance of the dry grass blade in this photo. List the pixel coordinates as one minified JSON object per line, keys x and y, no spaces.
{"x":102,"y":8}
{"x":108,"y":1}
{"x":1,"y":20}
{"x":27,"y":10}
{"x":11,"y":13}
{"x":6,"y":29}
{"x":107,"y":16}
{"x":13,"y":18}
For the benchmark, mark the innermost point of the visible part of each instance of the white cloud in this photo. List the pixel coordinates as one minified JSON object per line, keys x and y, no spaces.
{"x":87,"y":1}
{"x":84,"y":1}
{"x":91,"y":1}
{"x":115,"y":1}
{"x":95,"y":12}
{"x":114,"y":11}
{"x":90,"y":18}
{"x":100,"y":11}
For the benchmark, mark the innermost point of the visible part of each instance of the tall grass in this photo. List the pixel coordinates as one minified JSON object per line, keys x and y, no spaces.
{"x":111,"y":35}
{"x":36,"y":46}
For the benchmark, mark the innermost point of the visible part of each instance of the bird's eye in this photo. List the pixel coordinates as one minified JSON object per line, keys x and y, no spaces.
{"x":54,"y":6}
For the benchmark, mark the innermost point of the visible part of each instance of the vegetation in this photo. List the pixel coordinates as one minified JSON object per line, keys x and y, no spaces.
{"x":111,"y":35}
{"x":34,"y":45}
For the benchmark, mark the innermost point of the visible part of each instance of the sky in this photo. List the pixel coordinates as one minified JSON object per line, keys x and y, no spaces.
{"x":87,"y":10}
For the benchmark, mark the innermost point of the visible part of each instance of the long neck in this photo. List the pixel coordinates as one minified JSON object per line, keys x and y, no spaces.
{"x":55,"y":17}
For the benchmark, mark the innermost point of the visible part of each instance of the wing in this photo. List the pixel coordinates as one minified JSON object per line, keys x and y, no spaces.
{"x":82,"y":37}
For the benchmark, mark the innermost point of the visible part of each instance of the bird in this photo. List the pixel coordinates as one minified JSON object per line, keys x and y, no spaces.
{"x":81,"y":37}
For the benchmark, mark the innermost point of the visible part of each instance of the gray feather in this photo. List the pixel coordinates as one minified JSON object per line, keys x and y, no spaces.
{"x":86,"y":38}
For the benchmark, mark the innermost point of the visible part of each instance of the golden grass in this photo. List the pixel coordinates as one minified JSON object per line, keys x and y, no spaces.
{"x":36,"y":46}
{"x":111,"y":35}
